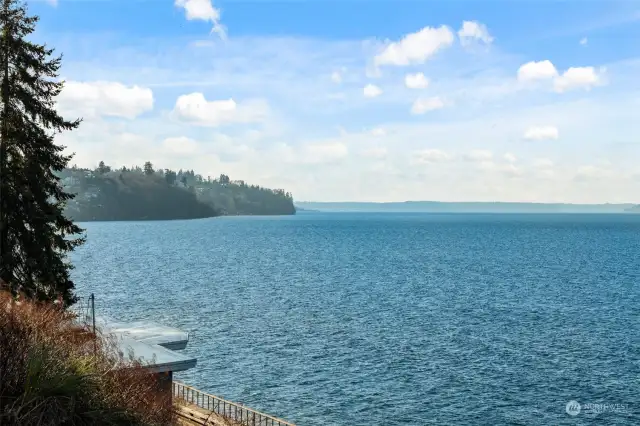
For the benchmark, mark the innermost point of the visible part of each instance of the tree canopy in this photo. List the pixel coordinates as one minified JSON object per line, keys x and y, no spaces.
{"x":142,"y":193}
{"x":35,"y":235}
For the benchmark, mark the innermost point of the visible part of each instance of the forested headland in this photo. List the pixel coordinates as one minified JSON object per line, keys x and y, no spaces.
{"x":147,"y":193}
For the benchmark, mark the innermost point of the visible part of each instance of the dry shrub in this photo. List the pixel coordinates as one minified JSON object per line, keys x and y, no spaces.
{"x":54,"y":371}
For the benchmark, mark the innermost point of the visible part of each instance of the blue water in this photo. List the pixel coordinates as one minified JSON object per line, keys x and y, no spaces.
{"x":390,"y":319}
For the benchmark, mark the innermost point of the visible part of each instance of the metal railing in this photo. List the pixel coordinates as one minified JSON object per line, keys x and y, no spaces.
{"x":234,"y":412}
{"x":85,"y":311}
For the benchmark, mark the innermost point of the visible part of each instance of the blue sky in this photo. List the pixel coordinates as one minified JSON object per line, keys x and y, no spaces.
{"x":361,"y":100}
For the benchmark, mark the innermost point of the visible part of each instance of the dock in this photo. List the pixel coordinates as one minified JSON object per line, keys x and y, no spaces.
{"x":156,"y":346}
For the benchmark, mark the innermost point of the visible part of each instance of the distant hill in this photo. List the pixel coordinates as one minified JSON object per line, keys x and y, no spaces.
{"x":147,"y":194}
{"x":463,"y":207}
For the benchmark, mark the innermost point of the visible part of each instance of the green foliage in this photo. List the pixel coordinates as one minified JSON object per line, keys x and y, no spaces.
{"x":170,"y":176}
{"x":144,"y":194}
{"x":129,"y":195}
{"x":148,"y":168}
{"x":34,"y":233}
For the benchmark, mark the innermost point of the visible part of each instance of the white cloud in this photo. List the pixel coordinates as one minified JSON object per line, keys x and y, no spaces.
{"x":572,"y":78}
{"x":203,"y":10}
{"x":541,"y":70}
{"x":577,"y":78}
{"x":428,"y":156}
{"x":53,"y":3}
{"x":510,"y":158}
{"x":196,"y":109}
{"x":479,"y":155}
{"x":371,"y":91}
{"x":378,"y":131}
{"x":416,"y":81}
{"x":415,"y":48}
{"x":424,"y":105}
{"x":93,"y":99}
{"x":336,"y":77}
{"x":474,"y":31}
{"x":584,"y":41}
{"x":541,"y":133}
{"x":300,"y":148}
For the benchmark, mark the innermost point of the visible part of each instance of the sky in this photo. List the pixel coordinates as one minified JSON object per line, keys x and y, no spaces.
{"x":360,"y":100}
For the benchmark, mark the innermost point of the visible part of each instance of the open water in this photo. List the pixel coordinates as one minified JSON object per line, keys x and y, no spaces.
{"x":390,"y":319}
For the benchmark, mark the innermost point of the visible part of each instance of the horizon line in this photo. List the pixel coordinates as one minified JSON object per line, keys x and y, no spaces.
{"x":471,"y":202}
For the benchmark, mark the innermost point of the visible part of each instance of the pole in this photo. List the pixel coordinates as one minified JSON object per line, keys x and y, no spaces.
{"x":93,"y":320}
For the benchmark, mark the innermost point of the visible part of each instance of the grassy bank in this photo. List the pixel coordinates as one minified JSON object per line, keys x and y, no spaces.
{"x":54,"y":372}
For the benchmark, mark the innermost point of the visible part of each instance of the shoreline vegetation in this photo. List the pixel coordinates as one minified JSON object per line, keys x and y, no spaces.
{"x":145,"y":193}
{"x":54,"y":371}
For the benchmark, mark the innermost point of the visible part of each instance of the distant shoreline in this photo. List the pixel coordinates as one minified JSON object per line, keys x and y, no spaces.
{"x":464,"y":207}
{"x":186,"y":218}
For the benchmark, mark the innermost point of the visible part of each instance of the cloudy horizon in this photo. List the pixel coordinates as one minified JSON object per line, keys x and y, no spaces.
{"x":452,"y":108}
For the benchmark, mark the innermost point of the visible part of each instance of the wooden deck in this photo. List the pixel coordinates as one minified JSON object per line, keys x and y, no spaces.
{"x":201,"y":408}
{"x":192,"y":415}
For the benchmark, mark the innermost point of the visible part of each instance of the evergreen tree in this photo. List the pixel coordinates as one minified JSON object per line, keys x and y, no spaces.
{"x":148,"y":168}
{"x":103,"y":168}
{"x":170,"y":176}
{"x":35,"y":236}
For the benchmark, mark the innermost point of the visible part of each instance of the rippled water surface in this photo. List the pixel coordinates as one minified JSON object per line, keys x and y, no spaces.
{"x":390,"y":319}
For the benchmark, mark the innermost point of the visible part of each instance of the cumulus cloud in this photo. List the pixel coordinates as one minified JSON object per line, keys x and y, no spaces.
{"x":371,"y":91}
{"x":428,"y":156}
{"x":416,"y":81}
{"x":415,"y":48}
{"x":474,"y":31}
{"x":196,"y":109}
{"x":541,"y":133}
{"x":572,"y":78}
{"x":577,"y":78}
{"x":540,"y":70}
{"x":294,"y":74}
{"x":336,"y":77}
{"x":203,"y":10}
{"x":103,"y":98}
{"x":424,"y":105}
